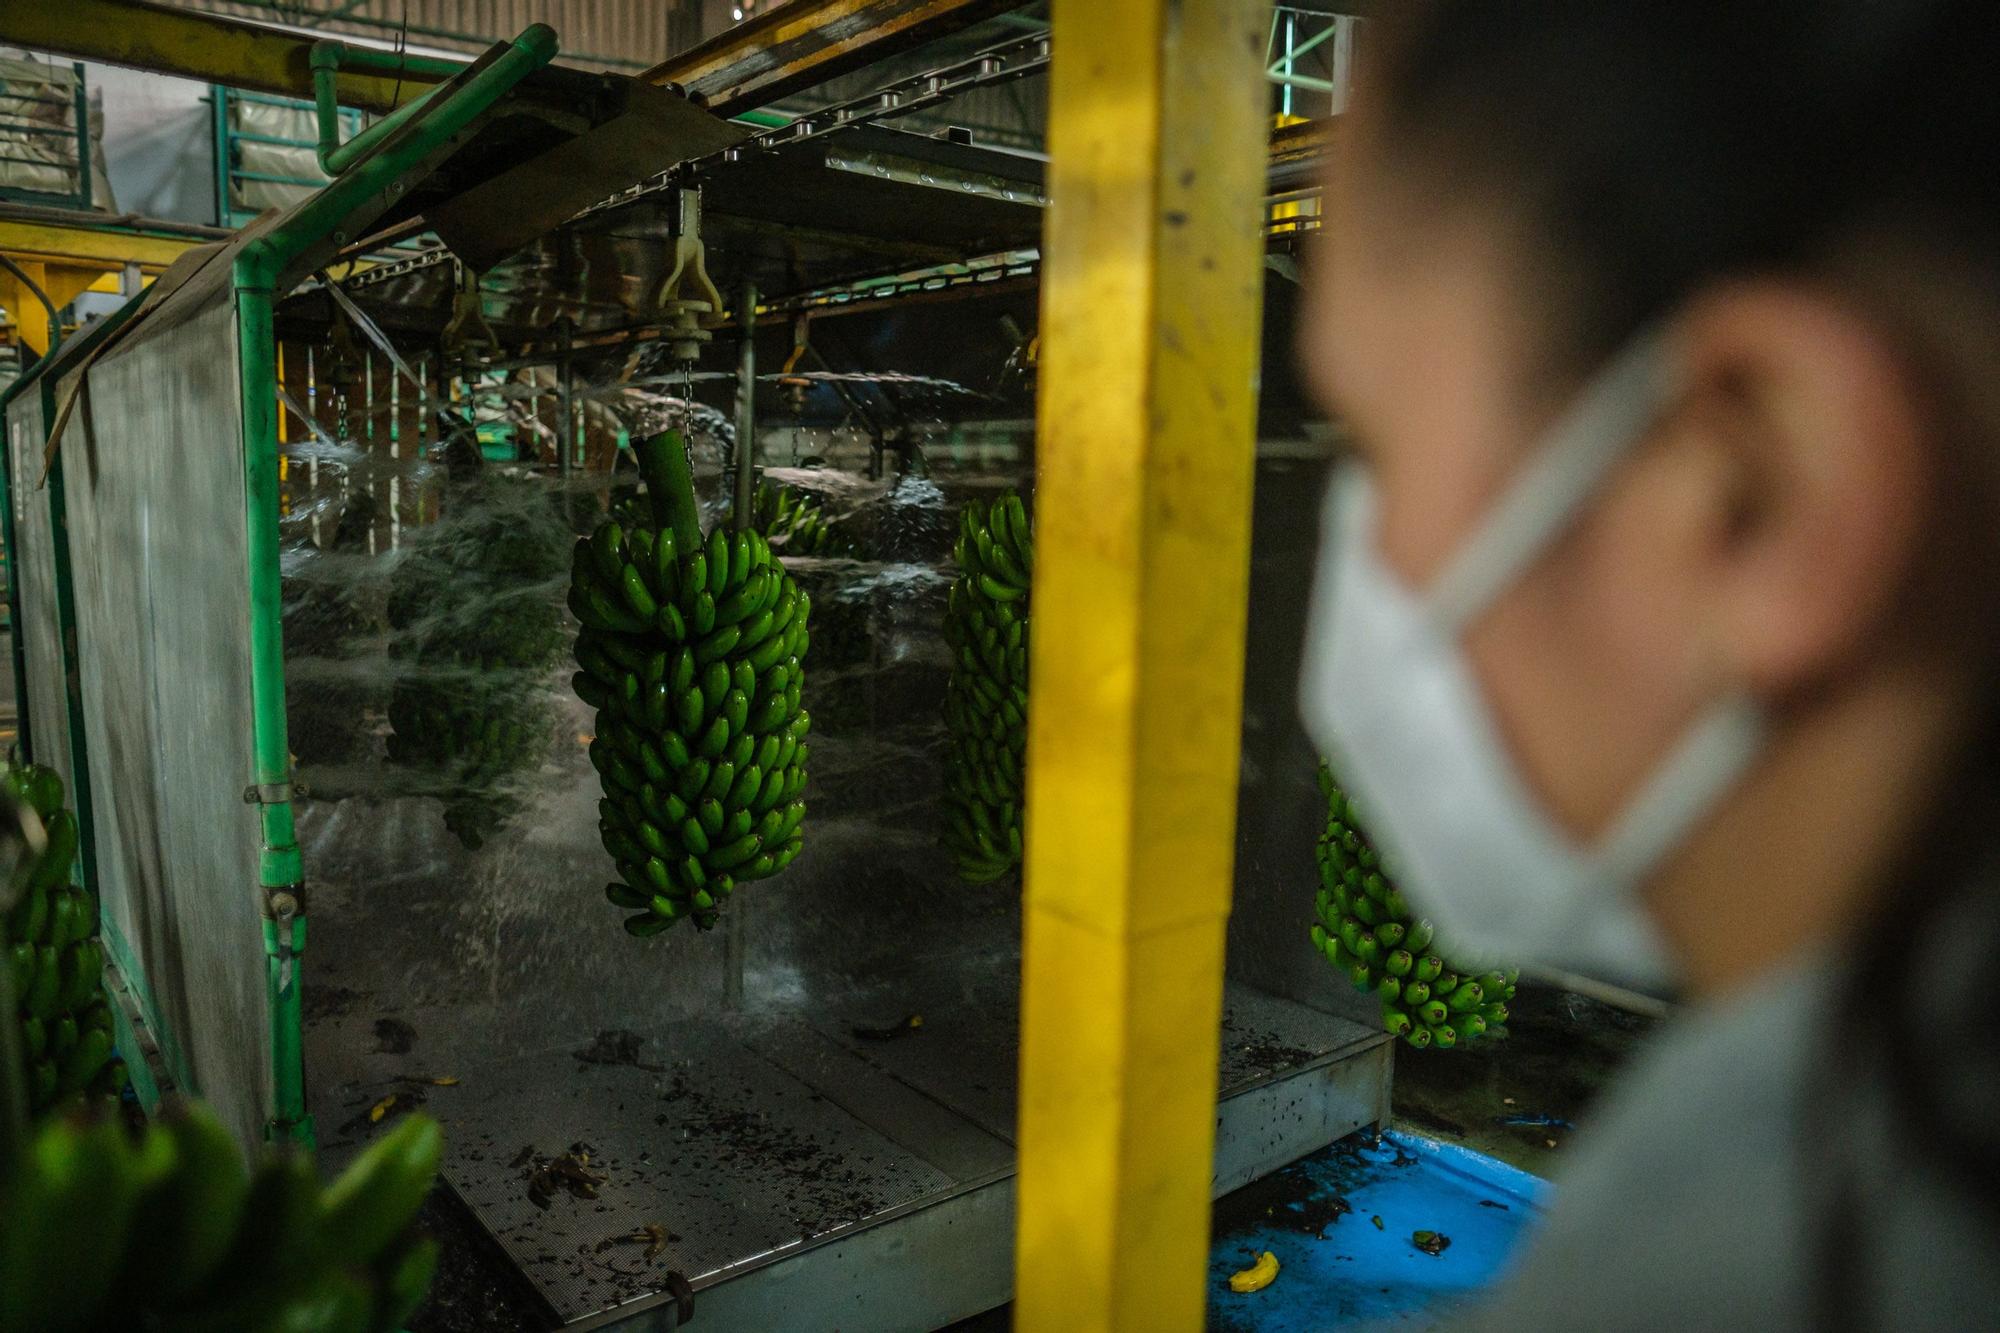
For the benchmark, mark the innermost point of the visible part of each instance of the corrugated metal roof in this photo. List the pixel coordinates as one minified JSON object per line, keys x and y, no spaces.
{"x":614,"y":34}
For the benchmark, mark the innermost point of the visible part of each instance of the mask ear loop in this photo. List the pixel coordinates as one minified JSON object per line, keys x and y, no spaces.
{"x":1615,"y":410}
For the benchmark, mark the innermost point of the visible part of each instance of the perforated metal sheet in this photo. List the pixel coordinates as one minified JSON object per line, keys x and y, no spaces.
{"x":733,"y":1157}
{"x":34,"y":569}
{"x":153,"y":469}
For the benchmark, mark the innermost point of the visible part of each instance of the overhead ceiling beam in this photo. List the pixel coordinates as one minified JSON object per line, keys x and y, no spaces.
{"x":190,"y":45}
{"x":807,"y":42}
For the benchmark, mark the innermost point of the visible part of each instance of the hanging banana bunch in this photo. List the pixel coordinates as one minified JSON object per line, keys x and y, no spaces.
{"x":692,"y":652}
{"x":60,"y":1006}
{"x":798,"y":523}
{"x":986,"y":700}
{"x":1367,"y":932}
{"x":170,"y":1231}
{"x":476,"y":632}
{"x":791,"y":519}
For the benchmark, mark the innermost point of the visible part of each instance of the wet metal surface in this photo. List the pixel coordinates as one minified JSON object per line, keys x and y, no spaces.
{"x":838,"y":1127}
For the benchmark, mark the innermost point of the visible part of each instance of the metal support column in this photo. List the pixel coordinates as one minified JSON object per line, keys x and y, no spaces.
{"x":735,"y":928}
{"x":565,"y":395}
{"x":746,"y":407}
{"x":1150,"y":333}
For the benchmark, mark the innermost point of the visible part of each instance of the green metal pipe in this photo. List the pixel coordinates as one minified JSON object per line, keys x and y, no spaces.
{"x":269,"y":179}
{"x":769,"y":120}
{"x":326,"y":60}
{"x":258,"y":270}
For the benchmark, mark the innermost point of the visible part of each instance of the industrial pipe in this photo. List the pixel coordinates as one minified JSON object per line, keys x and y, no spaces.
{"x":256,"y":273}
{"x":326,"y":60}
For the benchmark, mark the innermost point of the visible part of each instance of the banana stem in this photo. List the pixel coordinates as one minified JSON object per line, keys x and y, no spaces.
{"x":670,"y":486}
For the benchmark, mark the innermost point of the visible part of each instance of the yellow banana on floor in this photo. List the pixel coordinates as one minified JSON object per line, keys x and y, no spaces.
{"x":1257,"y":1276}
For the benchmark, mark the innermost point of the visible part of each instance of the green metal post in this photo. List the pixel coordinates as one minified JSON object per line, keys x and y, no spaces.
{"x":259,"y":268}
{"x":218,"y":100}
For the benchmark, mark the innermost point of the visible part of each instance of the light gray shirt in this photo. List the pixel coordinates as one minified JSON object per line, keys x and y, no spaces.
{"x":1699,"y":1192}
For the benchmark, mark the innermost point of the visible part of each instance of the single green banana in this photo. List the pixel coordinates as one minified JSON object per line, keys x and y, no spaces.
{"x":376,"y":1198}
{"x":188,"y":1218}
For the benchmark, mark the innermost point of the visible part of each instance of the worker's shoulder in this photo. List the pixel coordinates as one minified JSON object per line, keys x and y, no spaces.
{"x":1685,"y":1204}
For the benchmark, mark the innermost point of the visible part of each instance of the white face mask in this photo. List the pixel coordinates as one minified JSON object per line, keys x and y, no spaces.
{"x":1391,"y":697}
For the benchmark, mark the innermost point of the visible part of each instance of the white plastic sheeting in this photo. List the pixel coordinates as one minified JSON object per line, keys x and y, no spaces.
{"x":43,"y":95}
{"x":153,"y":472}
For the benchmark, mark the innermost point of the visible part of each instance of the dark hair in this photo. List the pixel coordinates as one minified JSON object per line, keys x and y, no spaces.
{"x":1640,"y":151}
{"x":1657,"y":147}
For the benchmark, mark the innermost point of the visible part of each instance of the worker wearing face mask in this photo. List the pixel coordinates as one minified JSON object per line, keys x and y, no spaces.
{"x":1658,"y":619}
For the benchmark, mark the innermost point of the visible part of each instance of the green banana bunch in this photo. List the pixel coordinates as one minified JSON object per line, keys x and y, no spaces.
{"x":475,"y":632}
{"x":58,"y":961}
{"x":798,"y":522}
{"x":692,"y":652}
{"x":170,"y":1231}
{"x":790,"y":518}
{"x":1368,"y":933}
{"x":986,"y":700}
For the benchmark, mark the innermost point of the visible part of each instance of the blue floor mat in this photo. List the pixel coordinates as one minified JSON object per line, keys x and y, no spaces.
{"x":1337,"y":1267}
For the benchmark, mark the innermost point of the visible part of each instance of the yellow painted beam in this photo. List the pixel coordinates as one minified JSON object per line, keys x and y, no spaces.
{"x":31,"y":319}
{"x":207,"y":47}
{"x":1151,"y":290}
{"x":56,"y":242}
{"x":63,"y":283}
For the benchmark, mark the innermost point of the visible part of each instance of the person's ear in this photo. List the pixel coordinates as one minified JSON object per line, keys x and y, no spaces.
{"x":1822,"y":480}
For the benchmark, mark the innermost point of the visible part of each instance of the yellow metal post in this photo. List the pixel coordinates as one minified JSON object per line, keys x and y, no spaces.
{"x":1150,"y":331}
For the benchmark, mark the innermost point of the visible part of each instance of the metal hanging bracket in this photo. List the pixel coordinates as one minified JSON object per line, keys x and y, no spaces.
{"x":285,"y":930}
{"x":681,"y":317}
{"x":468,"y":327}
